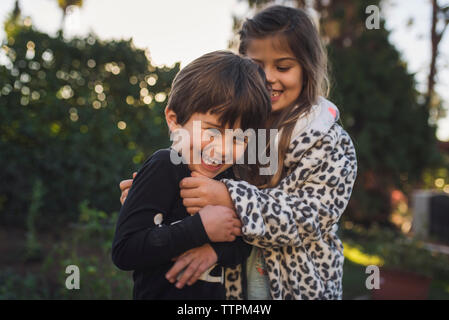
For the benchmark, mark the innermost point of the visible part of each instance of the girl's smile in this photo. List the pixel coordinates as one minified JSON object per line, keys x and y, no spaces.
{"x":282,"y":69}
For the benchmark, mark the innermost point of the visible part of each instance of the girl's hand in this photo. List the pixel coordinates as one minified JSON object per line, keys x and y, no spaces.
{"x":194,"y":262}
{"x":199,"y":191}
{"x":221,"y":223}
{"x":125,"y":185}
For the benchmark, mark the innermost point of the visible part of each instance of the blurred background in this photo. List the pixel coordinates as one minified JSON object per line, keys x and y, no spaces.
{"x":83,"y":86}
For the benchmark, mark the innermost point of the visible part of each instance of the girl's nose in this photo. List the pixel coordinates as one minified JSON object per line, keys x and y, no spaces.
{"x":270,"y":76}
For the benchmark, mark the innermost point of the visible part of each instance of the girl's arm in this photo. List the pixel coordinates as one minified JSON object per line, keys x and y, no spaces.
{"x":308,"y":202}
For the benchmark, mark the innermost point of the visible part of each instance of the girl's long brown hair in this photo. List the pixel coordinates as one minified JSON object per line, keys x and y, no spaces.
{"x":296,"y":29}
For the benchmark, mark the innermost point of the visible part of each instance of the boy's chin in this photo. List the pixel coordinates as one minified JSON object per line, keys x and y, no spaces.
{"x":207,"y":172}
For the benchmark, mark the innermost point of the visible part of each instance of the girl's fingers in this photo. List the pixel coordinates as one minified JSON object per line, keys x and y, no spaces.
{"x":192,"y":202}
{"x":197,"y":174}
{"x":236,"y":223}
{"x":123,"y":196}
{"x":125,"y":184}
{"x":134,"y":174}
{"x":237,"y":232}
{"x":193,"y":210}
{"x":189,"y":193}
{"x":190,"y":182}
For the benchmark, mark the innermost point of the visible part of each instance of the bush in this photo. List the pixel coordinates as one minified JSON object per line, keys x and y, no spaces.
{"x":79,"y":116}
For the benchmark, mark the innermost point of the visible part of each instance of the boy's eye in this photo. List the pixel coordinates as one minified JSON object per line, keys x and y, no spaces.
{"x":211,"y":132}
{"x":240,"y":140}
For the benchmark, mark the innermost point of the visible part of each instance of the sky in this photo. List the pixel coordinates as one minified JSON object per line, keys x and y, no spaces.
{"x":179,"y":30}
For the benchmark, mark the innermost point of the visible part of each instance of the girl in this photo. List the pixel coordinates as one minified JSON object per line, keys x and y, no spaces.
{"x":291,"y":218}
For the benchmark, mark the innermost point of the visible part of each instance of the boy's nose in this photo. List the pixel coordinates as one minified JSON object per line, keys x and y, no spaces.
{"x":219,"y":151}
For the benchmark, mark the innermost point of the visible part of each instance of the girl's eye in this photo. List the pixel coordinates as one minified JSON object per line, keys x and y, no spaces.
{"x":283,"y":69}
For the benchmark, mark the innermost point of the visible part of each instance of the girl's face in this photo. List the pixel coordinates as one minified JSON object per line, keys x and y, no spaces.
{"x":282,"y":69}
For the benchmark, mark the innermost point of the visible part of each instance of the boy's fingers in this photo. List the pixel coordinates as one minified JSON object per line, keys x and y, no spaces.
{"x":201,"y":269}
{"x":179,"y":265}
{"x":188,"y":273}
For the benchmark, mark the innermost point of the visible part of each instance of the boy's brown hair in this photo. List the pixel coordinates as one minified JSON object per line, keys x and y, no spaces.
{"x":222,"y":83}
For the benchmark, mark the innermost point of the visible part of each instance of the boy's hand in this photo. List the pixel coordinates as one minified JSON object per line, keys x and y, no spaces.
{"x":125,"y":185}
{"x":199,"y":191}
{"x":221,"y":223}
{"x":194,"y":262}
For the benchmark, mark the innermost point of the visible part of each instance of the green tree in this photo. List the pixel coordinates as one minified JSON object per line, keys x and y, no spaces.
{"x":65,"y":6}
{"x":78,"y":115}
{"x":380,"y":107}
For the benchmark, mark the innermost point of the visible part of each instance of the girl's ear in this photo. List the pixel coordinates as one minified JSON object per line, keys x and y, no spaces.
{"x":170,"y":117}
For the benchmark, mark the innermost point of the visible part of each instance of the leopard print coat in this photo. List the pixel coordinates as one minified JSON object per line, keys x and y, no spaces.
{"x":296,"y":222}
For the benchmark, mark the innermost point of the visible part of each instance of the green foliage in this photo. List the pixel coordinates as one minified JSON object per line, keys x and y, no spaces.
{"x":380,"y":107}
{"x":89,"y":248}
{"x":78,"y":115}
{"x":398,"y":251}
{"x":382,"y":112}
{"x":86,"y":244}
{"x":64,"y":4}
{"x":33,"y":248}
{"x":14,"y":286}
{"x":411,"y":256}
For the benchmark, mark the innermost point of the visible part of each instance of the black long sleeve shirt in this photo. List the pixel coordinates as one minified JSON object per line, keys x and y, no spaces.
{"x":153,"y":227}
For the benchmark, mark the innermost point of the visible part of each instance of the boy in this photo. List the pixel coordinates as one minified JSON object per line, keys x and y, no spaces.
{"x":222,"y":91}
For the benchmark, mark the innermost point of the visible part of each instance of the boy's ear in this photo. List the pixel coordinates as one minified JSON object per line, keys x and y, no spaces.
{"x":170,"y":117}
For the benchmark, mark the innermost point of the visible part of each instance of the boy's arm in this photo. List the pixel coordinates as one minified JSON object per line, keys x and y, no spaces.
{"x":231,"y":254}
{"x":141,"y":243}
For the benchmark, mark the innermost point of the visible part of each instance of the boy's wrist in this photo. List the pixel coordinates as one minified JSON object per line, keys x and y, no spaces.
{"x":198,"y":229}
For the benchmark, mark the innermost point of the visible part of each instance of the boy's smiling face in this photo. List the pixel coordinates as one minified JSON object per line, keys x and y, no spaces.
{"x":214,"y":146}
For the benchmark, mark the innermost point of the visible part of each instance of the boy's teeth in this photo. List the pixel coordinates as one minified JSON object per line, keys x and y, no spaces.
{"x":275,"y":93}
{"x":210,"y":161}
